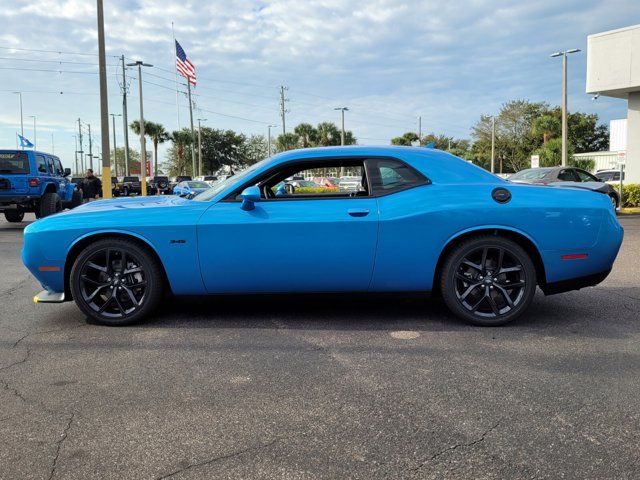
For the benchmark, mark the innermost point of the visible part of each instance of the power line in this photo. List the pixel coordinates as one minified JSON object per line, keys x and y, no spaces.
{"x":59,"y":52}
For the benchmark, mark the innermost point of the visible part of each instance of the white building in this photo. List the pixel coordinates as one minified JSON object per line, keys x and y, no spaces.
{"x":613,"y":70}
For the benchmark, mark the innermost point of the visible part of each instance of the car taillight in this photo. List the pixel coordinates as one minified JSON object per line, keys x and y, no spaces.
{"x":34,"y":182}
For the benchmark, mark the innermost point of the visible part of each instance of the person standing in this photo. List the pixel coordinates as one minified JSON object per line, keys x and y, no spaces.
{"x":91,"y":187}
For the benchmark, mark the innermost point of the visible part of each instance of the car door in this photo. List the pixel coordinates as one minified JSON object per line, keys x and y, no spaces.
{"x":311,"y":242}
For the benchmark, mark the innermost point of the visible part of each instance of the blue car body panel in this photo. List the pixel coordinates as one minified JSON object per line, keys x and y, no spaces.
{"x":329,"y":244}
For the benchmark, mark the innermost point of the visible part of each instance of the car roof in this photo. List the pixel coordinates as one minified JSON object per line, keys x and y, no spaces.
{"x":437,"y":165}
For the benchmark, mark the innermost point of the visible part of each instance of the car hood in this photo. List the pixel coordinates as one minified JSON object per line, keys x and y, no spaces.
{"x":128,"y":203}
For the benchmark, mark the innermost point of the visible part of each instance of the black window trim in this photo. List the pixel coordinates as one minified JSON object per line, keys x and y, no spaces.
{"x":233,"y":196}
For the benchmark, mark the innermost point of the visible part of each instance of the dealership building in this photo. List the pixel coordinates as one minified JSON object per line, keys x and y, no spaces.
{"x":613,"y":70}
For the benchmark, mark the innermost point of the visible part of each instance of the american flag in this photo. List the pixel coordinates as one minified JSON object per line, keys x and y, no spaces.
{"x":184,"y":66}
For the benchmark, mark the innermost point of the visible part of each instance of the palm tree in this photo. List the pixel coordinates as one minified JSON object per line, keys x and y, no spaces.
{"x":307,"y":134}
{"x":328,"y":134}
{"x":548,"y":126}
{"x":158,"y":135}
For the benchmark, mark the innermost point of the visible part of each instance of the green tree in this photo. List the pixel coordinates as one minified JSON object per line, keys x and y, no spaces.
{"x":286,"y":141}
{"x":119,"y":166}
{"x":546,"y":126}
{"x":255,"y":149}
{"x":405,"y":139}
{"x":307,"y":135}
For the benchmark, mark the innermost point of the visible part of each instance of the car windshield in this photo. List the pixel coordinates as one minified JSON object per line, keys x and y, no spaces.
{"x":232,"y":180}
{"x":14,"y":162}
{"x":131,"y":179}
{"x":198,"y":185}
{"x":530,"y":174}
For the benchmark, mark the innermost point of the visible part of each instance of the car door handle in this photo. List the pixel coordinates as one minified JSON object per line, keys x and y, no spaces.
{"x":356,"y":212}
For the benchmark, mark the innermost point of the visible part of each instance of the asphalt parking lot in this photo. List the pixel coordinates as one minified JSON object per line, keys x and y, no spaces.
{"x":322,"y":387}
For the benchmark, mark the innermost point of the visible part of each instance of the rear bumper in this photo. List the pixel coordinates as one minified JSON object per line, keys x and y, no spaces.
{"x":574,"y":283}
{"x":9,"y":202}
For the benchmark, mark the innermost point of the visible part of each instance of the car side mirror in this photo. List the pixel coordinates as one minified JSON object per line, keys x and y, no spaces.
{"x":249,"y":196}
{"x":67,"y":172}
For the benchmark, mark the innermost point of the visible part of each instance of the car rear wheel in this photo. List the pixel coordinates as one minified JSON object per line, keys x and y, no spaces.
{"x":76,"y":199}
{"x":488,"y":281}
{"x":116,"y":282}
{"x":15,"y":215}
{"x":50,"y":203}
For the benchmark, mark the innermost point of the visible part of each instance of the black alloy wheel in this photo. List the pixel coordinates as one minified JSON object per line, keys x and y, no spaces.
{"x":488,"y":281}
{"x":116,"y":282}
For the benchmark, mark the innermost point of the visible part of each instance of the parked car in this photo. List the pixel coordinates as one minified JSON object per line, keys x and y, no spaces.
{"x":328,"y":182}
{"x":33,"y":181}
{"x":448,"y":226}
{"x":131,"y":186}
{"x":612,"y":177}
{"x":551,"y":175}
{"x":350,"y":183}
{"x":159,"y":185}
{"x":177,"y":180}
{"x":190,"y":189}
{"x":115,"y":187}
{"x":210,"y":179}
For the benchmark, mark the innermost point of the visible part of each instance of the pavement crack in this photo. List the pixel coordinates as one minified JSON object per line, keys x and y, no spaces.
{"x":59,"y":443}
{"x":458,"y":445}
{"x":24,"y":359}
{"x":12,"y":390}
{"x":218,"y":458}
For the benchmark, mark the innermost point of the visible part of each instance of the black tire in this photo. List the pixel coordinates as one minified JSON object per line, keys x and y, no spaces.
{"x":50,"y":203}
{"x":14,"y":215}
{"x":125,"y":192}
{"x":114,"y":293}
{"x":488,"y":280}
{"x":76,"y":199}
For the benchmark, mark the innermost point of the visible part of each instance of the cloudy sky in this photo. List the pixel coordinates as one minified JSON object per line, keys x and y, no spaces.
{"x":389,"y":61}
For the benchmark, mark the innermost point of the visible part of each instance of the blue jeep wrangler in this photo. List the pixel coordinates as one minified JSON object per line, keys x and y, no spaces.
{"x":32,"y":181}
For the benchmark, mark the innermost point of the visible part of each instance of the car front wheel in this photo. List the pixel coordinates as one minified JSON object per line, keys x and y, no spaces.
{"x":488,"y":280}
{"x":14,"y":215}
{"x":116,"y":282}
{"x":50,"y":203}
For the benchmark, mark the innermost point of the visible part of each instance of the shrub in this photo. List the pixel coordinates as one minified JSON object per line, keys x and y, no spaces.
{"x":630,"y":194}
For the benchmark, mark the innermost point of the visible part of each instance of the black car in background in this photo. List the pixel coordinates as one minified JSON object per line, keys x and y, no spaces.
{"x":159,"y":185}
{"x":548,"y":175}
{"x":131,"y":186}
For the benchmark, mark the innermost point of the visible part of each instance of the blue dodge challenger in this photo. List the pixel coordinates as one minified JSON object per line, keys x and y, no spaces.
{"x":421,"y":220}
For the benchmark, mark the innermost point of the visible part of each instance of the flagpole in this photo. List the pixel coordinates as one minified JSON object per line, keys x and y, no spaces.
{"x":175,"y":51}
{"x":193,"y":134}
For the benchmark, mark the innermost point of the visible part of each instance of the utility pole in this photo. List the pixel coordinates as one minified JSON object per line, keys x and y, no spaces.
{"x":115,"y":159}
{"x":419,"y":130}
{"x":283,"y":110}
{"x":124,"y":119}
{"x":563,"y":54}
{"x":193,"y":133}
{"x":200,"y":145}
{"x":21,"y":119}
{"x":81,"y":152}
{"x":269,"y":139}
{"x":53,"y":147}
{"x":104,"y":104}
{"x":493,"y":144}
{"x":143,"y":144}
{"x":90,"y":148}
{"x":76,"y":154}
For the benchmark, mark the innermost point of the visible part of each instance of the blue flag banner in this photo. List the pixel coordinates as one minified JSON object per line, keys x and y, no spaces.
{"x":24,"y":143}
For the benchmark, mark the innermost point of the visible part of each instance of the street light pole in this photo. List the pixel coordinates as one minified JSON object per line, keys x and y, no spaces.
{"x":115,"y":158}
{"x":563,"y":54}
{"x":143,"y":145}
{"x":200,"y":145}
{"x":34,"y":131}
{"x":342,"y":110}
{"x":493,"y":144}
{"x":269,"y":127}
{"x":21,"y":119}
{"x":104,"y":104}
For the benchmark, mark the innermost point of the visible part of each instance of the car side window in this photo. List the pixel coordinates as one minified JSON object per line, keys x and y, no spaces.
{"x":58,"y":166}
{"x":41,"y":164}
{"x":585,"y":177}
{"x":567,"y":175}
{"x":50,"y":166}
{"x":389,"y":175}
{"x":300,"y":181}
